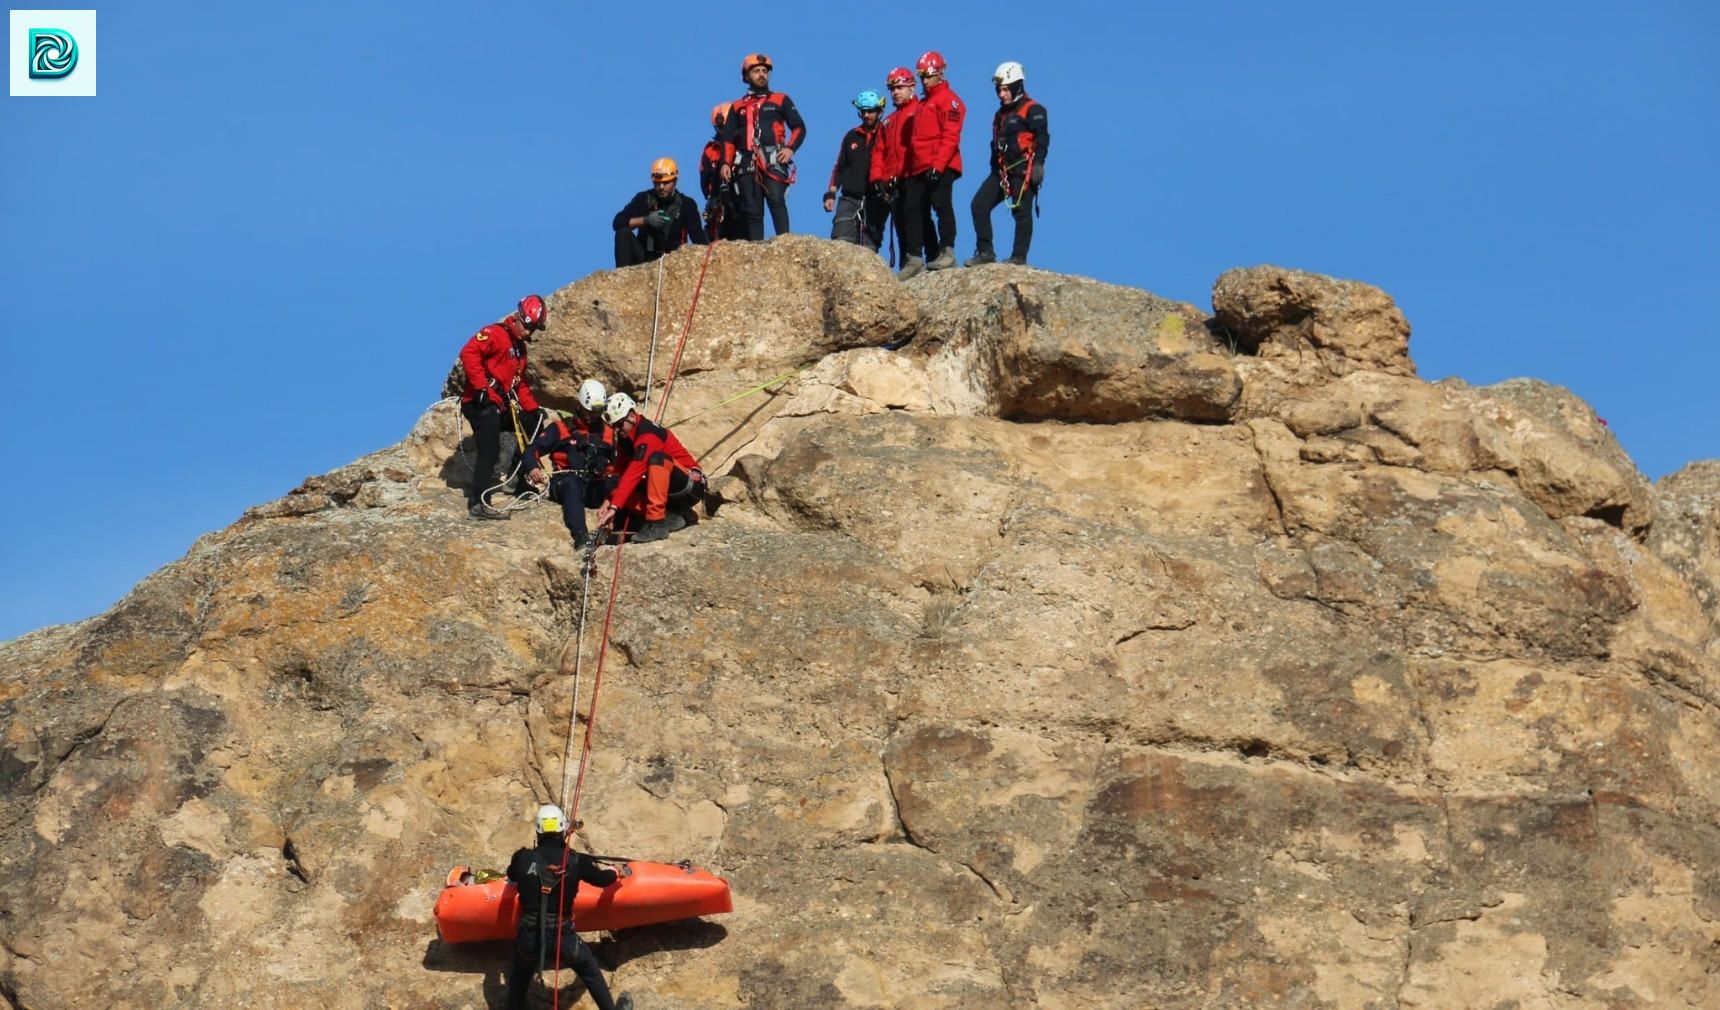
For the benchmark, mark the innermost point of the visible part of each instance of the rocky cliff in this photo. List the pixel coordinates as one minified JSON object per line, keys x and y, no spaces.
{"x":1089,"y":650}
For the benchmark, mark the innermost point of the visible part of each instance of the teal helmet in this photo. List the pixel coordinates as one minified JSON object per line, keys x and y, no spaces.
{"x":868,"y":101}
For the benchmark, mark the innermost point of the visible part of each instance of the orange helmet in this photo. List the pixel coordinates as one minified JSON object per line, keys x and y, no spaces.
{"x":755,"y":60}
{"x":665,"y":168}
{"x":720,"y":113}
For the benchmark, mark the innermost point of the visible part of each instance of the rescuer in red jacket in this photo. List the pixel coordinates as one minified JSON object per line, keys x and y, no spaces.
{"x":1020,"y":140}
{"x":760,"y":137}
{"x":886,"y":173}
{"x":931,"y":164}
{"x":494,"y":361}
{"x":723,"y":218}
{"x":659,"y":475}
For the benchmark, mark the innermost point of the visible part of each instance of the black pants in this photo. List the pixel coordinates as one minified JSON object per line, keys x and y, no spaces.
{"x":576,"y":494}
{"x":754,"y":198}
{"x":486,"y":421}
{"x":574,"y":954}
{"x":920,"y":200}
{"x":859,"y":220}
{"x":986,"y":200}
{"x":631,"y":250}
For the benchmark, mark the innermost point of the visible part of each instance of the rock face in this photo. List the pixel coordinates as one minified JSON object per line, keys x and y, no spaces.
{"x":1285,"y":686}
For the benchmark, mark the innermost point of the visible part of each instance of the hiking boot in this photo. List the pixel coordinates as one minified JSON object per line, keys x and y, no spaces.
{"x":581,"y":541}
{"x":624,"y":1001}
{"x":479,"y":510}
{"x":1018,"y":261}
{"x":946,"y":259}
{"x":911,"y":269}
{"x":980,"y":258}
{"x":660,"y":529}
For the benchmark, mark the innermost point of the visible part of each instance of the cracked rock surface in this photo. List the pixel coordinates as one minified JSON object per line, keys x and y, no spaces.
{"x":1266,"y":675}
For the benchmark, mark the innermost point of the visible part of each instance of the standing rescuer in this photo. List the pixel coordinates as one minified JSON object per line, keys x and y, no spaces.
{"x":1020,"y":140}
{"x":548,"y":876}
{"x":931,"y":165}
{"x":722,"y":212}
{"x":886,"y":170}
{"x":494,"y":362}
{"x":657,"y":483}
{"x":657,"y":221}
{"x":760,"y":138}
{"x":860,"y":212}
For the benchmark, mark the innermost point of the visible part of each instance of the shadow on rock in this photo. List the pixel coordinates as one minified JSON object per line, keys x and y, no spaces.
{"x":491,"y":959}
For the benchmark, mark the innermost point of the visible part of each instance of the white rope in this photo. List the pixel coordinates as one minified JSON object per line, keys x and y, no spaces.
{"x":656,"y":310}
{"x":589,"y":565}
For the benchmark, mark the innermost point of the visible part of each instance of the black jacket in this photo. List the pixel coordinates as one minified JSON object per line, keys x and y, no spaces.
{"x":531,"y":869}
{"x":687,"y":227}
{"x":1017,"y":130}
{"x":853,"y":162}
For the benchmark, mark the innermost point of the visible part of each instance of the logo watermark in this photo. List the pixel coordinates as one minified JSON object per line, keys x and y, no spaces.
{"x":53,"y":53}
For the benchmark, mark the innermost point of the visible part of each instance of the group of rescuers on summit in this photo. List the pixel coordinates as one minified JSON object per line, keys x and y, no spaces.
{"x":898,"y":170}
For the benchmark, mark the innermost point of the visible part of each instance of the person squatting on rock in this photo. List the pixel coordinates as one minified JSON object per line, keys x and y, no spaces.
{"x":723,"y":218}
{"x":665,"y":219}
{"x":860,"y":212}
{"x":1020,"y":140}
{"x":571,"y":459}
{"x":760,"y":138}
{"x":660,"y":480}
{"x":494,"y":361}
{"x":932,"y":162}
{"x":886,"y":169}
{"x":548,"y":876}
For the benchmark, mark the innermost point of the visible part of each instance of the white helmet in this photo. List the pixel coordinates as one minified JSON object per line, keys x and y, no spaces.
{"x":1008,"y":73}
{"x":619,"y":406}
{"x":592,"y":394}
{"x":550,"y":820}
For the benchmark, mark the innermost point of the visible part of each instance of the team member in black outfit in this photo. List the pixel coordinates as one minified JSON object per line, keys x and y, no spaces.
{"x":860,"y":212}
{"x":547,"y":876}
{"x":762,"y":133}
{"x":664,"y":217}
{"x":1020,"y":139}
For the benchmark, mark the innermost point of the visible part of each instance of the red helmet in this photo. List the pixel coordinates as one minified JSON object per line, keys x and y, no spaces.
{"x":900,"y":75}
{"x":532,"y":312}
{"x":755,"y":60}
{"x":931,"y":63}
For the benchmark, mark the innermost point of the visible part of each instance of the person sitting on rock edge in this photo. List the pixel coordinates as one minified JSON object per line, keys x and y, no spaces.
{"x":579,"y":454}
{"x":494,"y":361}
{"x":1020,"y":140}
{"x":660,"y":473}
{"x":548,"y":876}
{"x":657,"y":221}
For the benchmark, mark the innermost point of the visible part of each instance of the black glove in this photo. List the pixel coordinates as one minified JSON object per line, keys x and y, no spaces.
{"x":933,"y":176}
{"x":1037,"y":176}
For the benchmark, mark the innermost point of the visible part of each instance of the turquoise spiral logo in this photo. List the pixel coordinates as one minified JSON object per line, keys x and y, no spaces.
{"x":53,"y":53}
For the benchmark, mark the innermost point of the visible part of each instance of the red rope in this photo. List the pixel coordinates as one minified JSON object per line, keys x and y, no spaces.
{"x":686,"y":328}
{"x":603,"y":646}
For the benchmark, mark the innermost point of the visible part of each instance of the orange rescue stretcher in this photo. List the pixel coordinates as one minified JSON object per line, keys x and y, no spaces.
{"x":644,"y":893}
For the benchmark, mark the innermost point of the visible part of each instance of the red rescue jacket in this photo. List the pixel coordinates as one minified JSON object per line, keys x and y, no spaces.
{"x":934,"y":136}
{"x":495,"y":363}
{"x":889,"y":149}
{"x":648,"y":440}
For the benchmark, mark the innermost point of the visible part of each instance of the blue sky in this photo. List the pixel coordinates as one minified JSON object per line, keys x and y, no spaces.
{"x":254,"y":255}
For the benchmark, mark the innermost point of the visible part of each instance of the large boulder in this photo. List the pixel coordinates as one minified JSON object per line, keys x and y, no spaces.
{"x":1274,"y":312}
{"x":763,"y":308}
{"x":1030,"y":346}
